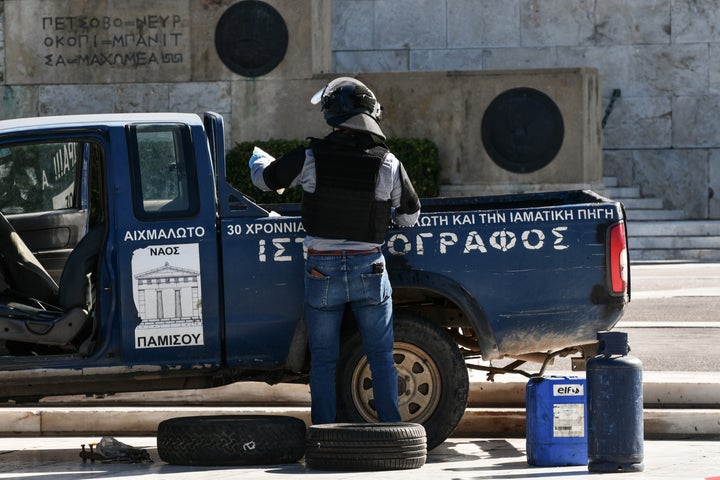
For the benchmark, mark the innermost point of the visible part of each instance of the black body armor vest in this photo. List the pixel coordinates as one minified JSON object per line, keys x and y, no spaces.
{"x":343,"y":205}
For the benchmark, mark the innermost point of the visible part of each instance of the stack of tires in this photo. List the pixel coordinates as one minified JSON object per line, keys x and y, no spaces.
{"x":365,"y":446}
{"x":226,"y":440}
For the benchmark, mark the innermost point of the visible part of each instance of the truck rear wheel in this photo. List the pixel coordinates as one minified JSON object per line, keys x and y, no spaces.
{"x":220,"y":440}
{"x":432,"y":379}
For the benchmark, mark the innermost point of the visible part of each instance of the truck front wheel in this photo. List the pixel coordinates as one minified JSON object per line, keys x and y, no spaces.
{"x":432,"y":379}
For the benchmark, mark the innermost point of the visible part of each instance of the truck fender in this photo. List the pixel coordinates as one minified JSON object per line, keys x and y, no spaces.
{"x":448,"y":288}
{"x":433,"y":282}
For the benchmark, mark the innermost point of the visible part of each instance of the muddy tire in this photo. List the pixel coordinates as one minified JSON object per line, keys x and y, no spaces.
{"x":433,"y":381}
{"x":365,"y":446}
{"x":231,"y":440}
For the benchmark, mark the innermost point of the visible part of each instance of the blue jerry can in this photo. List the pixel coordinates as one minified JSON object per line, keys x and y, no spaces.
{"x":556,"y":421}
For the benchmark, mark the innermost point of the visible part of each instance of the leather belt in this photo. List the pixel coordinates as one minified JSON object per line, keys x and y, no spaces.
{"x":313,"y":252}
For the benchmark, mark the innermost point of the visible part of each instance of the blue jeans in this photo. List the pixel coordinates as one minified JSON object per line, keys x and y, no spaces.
{"x":349,"y":279}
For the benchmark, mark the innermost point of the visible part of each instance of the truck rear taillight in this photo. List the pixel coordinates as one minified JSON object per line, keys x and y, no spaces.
{"x":618,"y":259}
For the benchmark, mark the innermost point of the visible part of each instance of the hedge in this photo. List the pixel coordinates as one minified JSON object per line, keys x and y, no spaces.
{"x":418,"y":155}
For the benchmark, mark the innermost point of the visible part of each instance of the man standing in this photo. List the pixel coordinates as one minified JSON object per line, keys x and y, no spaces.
{"x":353,"y":187}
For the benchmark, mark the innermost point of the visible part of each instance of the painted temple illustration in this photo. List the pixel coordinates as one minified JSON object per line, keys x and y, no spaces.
{"x":169,"y":307}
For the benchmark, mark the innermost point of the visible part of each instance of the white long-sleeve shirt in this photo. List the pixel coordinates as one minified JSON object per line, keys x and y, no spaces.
{"x":389,"y":186}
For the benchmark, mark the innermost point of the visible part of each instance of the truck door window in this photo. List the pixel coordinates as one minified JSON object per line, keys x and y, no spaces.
{"x":163,"y":167}
{"x":39,"y":177}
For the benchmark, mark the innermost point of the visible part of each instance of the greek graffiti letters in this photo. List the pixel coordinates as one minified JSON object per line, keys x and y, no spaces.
{"x":266,"y":228}
{"x":163,"y":234}
{"x":168,"y":340}
{"x":261,"y":251}
{"x":474,"y":242}
{"x":596,"y":214}
{"x":558,"y":244}
{"x":503,"y":240}
{"x":533,"y":243}
{"x":541,"y":235}
{"x":405,"y":245}
{"x":433,"y":220}
{"x":116,"y":41}
{"x":64,"y":160}
{"x":155,"y":251}
{"x":280,"y":250}
{"x":463,"y":219}
{"x":45,"y":181}
{"x":492,"y":217}
{"x":419,"y":241}
{"x":447,"y":239}
{"x":530,"y":216}
{"x":155,"y":21}
{"x":281,"y":253}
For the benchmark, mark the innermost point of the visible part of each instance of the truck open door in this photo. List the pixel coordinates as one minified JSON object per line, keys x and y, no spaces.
{"x":43,"y":193}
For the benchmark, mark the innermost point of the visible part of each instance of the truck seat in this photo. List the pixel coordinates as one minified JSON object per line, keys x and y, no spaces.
{"x":24,"y":276}
{"x":61,"y":322}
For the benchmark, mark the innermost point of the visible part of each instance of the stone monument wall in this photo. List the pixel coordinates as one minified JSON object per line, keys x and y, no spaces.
{"x":663,"y":133}
{"x":663,"y":56}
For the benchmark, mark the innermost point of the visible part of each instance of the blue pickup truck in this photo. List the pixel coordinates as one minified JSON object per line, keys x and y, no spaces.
{"x":130,"y":263}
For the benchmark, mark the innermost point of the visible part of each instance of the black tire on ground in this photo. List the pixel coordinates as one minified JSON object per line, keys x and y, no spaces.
{"x":365,"y":446}
{"x":432,"y":379}
{"x":231,"y":440}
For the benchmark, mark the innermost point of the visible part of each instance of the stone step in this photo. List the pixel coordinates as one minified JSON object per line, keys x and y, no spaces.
{"x":690,"y":240}
{"x":620,"y":193}
{"x":695,"y":255}
{"x":655,"y":234}
{"x":654,"y":215}
{"x":693,"y":228}
{"x":679,"y":242}
{"x":610,"y":181}
{"x":642,"y":203}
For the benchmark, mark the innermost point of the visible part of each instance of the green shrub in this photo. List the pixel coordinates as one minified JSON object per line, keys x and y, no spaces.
{"x":422,"y":163}
{"x":418,"y":155}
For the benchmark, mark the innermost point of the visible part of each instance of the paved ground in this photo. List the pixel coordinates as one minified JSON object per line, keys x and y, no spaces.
{"x":457,"y":459}
{"x":672,"y":321}
{"x":673,"y":313}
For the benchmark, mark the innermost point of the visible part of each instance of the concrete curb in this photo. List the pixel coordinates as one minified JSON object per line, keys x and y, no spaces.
{"x":660,"y":390}
{"x":676,"y":404}
{"x":138,"y":421}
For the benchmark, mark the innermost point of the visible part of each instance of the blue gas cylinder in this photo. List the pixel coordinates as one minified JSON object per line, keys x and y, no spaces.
{"x":615,"y":407}
{"x":555,"y":421}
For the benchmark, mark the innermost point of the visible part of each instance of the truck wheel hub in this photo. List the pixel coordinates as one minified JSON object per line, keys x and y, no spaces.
{"x":419,"y":385}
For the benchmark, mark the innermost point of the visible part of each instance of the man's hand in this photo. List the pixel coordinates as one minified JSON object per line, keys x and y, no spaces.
{"x":259,"y":153}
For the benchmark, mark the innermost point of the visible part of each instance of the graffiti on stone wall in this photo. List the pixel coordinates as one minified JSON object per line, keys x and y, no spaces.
{"x":96,"y":42}
{"x":113,"y":41}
